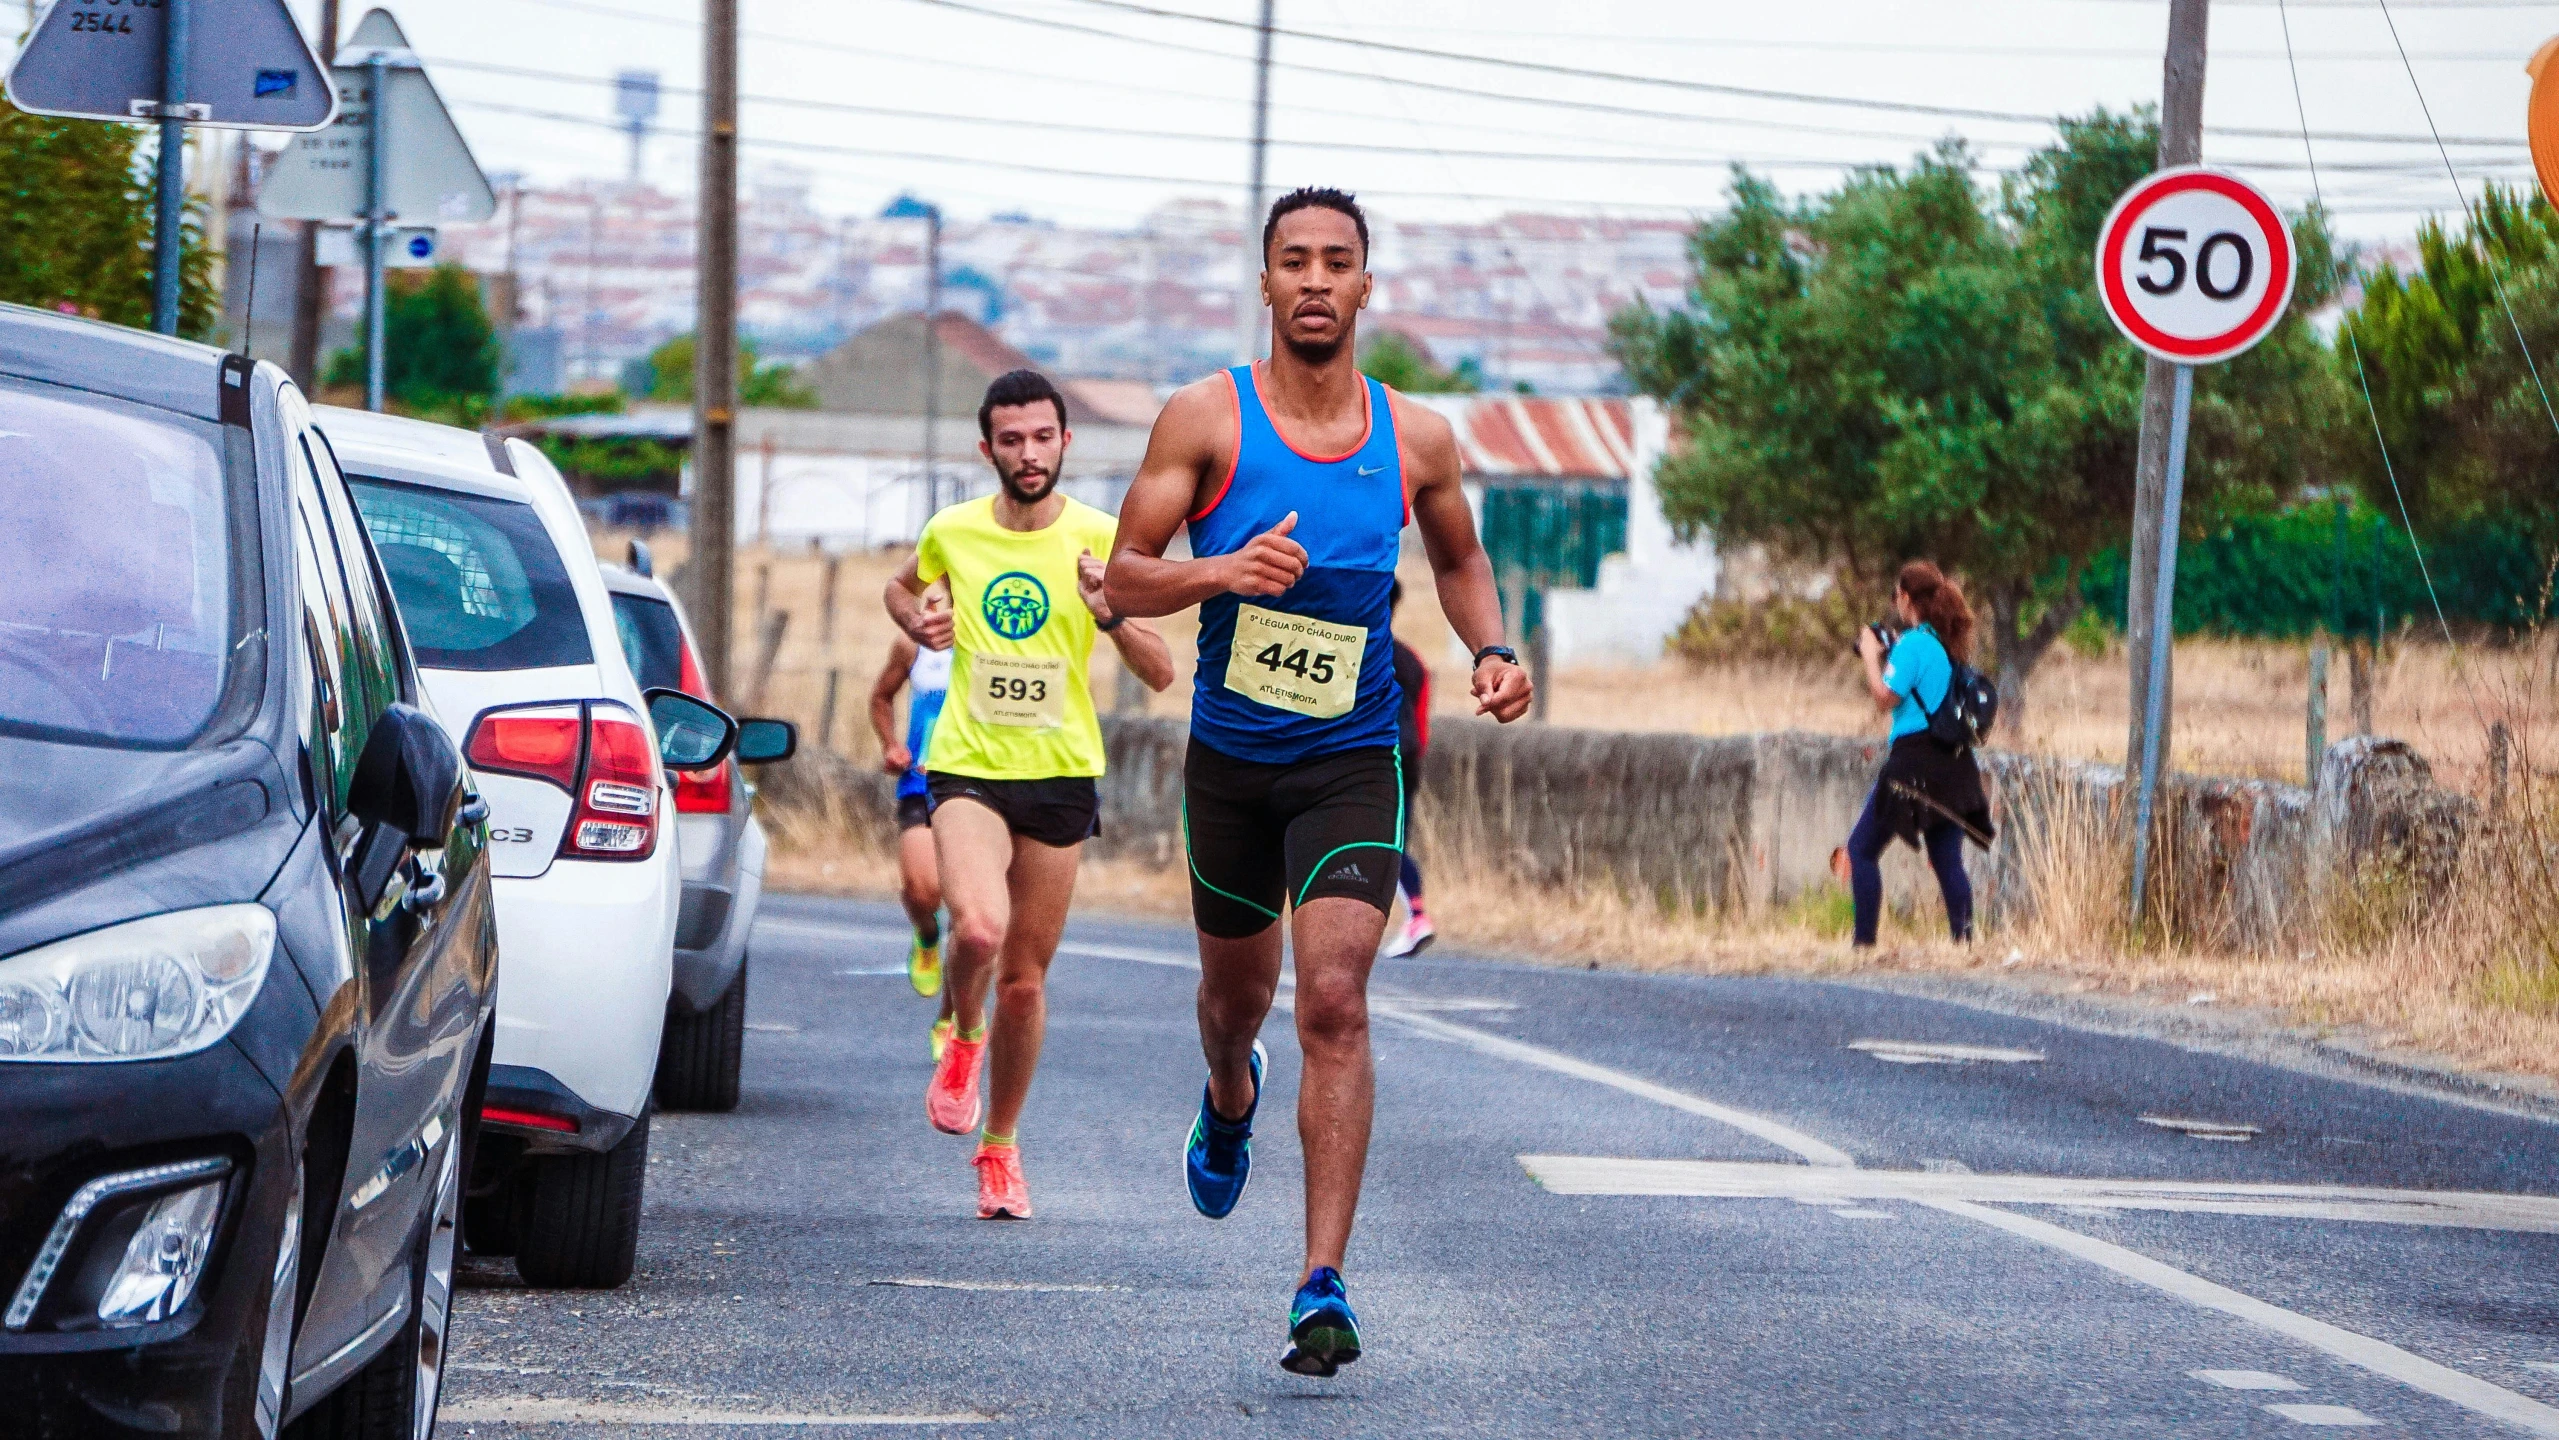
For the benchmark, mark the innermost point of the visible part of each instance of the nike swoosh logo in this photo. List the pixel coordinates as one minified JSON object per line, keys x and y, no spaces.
{"x":1370,"y":469}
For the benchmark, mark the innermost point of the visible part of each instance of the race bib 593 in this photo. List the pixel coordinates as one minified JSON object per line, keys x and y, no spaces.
{"x":1018,"y":690}
{"x":1293,"y":663}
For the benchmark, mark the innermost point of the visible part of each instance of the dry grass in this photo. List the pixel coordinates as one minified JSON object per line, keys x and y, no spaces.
{"x":2472,"y":976}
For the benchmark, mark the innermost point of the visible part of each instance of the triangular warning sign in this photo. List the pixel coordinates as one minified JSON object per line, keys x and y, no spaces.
{"x":248,"y":66}
{"x":429,"y":177}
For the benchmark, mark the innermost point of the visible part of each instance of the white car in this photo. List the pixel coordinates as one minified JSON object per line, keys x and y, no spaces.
{"x":514,"y":634}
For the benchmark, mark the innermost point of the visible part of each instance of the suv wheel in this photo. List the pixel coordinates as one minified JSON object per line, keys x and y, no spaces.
{"x":579,"y":1225}
{"x":699,"y":1057}
{"x":394,"y":1397}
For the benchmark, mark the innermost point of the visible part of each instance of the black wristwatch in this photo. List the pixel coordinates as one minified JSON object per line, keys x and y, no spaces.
{"x":1501,"y":652}
{"x":1107,"y":626}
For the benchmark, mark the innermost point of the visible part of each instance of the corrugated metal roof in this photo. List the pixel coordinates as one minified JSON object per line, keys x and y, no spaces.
{"x":1534,"y":436}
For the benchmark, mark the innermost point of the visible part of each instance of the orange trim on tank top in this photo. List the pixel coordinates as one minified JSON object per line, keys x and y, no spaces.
{"x":1235,"y":404}
{"x":1368,"y":404}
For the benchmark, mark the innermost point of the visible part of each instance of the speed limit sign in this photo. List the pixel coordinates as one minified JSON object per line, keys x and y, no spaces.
{"x":2194,"y":265}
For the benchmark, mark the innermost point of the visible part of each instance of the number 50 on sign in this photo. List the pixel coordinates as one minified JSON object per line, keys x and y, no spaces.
{"x":2194,"y":265}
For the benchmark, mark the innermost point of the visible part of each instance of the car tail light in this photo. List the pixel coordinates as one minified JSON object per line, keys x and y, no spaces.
{"x":529,"y":1119}
{"x":617,"y":809}
{"x":600,"y":754}
{"x":544,"y":743}
{"x":703,"y":792}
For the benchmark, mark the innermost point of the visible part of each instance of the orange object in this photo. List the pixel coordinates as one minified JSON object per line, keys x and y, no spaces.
{"x":2541,"y":118}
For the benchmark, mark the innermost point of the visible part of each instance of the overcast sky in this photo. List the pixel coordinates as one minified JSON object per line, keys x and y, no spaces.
{"x":986,"y":113}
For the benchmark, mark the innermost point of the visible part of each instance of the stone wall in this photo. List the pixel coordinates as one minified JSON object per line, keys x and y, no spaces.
{"x":1718,"y":822}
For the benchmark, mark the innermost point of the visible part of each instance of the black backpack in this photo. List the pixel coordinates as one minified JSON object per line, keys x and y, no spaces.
{"x":1963,"y":719}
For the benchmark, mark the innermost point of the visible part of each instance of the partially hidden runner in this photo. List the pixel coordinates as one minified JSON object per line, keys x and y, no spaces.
{"x":1412,"y":742}
{"x":1015,"y":753}
{"x":927,"y":675}
{"x":1296,"y":477}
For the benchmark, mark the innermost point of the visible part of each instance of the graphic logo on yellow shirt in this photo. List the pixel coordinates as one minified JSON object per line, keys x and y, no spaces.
{"x":1016,"y":605}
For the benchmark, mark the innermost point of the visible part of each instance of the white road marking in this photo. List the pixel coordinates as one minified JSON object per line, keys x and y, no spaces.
{"x":2546,"y":1367}
{"x":1751,"y":1180}
{"x":897,"y":970}
{"x":541,"y":1410}
{"x":2363,"y":1351}
{"x":1913,"y":1052}
{"x":2204,"y":1129}
{"x":830,"y":930}
{"x":2245,"y":1379}
{"x":1005,"y":1286}
{"x":1863,"y":1214}
{"x":2324,"y":1414}
{"x":769,"y":1028}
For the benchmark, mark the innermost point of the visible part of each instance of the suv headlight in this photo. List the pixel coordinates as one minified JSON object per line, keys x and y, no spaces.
{"x":144,"y":990}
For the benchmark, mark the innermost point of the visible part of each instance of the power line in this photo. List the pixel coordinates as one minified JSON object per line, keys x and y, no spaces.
{"x":1611,"y":76}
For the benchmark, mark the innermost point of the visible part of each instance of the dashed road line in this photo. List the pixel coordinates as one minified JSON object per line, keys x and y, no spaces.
{"x":2245,"y":1379}
{"x":2324,"y":1414}
{"x":545,"y":1410}
{"x":2205,"y":1129}
{"x":1913,"y":1052}
{"x":1000,"y":1286}
{"x":1760,"y":1180}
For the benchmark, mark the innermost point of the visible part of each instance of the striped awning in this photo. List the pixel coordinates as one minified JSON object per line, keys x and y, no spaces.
{"x":1530,"y":436}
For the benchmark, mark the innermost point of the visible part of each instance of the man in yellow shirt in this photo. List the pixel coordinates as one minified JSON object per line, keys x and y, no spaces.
{"x":1015,"y":753}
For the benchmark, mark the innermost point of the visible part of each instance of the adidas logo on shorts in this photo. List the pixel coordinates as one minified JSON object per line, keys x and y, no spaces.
{"x":1350,"y":871}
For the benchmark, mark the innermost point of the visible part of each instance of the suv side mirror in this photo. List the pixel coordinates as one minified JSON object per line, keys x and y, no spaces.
{"x":640,"y":562}
{"x":763,"y":742}
{"x":406,"y":791}
{"x":693,"y":734}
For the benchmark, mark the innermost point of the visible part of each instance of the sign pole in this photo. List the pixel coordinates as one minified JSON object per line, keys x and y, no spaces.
{"x":2162,"y":609}
{"x":377,"y":74}
{"x":168,"y":240}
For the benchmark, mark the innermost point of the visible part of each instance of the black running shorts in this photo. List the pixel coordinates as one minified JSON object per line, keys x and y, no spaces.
{"x":1054,"y":812}
{"x":913,"y":810}
{"x":1264,"y":835}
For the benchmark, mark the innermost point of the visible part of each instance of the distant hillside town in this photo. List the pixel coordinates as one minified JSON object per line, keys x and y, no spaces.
{"x":604,"y":273}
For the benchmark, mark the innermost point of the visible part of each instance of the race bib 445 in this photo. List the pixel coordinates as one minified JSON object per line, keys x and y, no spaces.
{"x":1293,"y":663}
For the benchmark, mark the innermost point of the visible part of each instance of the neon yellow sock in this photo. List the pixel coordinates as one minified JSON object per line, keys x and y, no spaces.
{"x":1000,"y":1141}
{"x":974,"y":1036}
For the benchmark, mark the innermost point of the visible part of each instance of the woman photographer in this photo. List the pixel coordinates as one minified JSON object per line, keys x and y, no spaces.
{"x":1927,"y":794}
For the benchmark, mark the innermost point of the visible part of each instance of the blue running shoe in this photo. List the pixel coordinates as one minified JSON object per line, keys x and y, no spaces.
{"x":1323,"y":1334}
{"x":1219,"y":1158}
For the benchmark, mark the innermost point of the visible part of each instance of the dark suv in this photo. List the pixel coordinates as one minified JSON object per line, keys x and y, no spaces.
{"x":246,"y":956}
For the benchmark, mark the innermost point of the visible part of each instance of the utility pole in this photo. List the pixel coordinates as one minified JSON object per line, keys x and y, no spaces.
{"x":2181,"y":142}
{"x":1248,"y":300}
{"x":712,"y":567}
{"x":310,"y":278}
{"x":932,"y":359}
{"x":377,"y":84}
{"x":168,"y":238}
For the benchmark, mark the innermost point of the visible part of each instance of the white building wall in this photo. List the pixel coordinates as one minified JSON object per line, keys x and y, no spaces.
{"x":1644,"y":594}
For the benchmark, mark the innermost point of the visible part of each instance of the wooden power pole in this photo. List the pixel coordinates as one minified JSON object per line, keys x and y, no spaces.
{"x":712,"y":566}
{"x":2181,"y":142}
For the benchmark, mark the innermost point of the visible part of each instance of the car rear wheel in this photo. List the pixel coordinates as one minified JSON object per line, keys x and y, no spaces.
{"x":579,"y":1225}
{"x":699,"y":1058}
{"x":394,"y":1397}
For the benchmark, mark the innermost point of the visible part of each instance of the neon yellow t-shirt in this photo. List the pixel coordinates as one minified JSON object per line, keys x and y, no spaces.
{"x":1020,"y":707}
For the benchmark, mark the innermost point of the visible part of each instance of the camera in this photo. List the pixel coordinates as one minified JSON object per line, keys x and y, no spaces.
{"x":1884,"y":633}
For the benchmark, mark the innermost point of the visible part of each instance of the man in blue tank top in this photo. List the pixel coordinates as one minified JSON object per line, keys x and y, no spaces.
{"x":1296,"y":477}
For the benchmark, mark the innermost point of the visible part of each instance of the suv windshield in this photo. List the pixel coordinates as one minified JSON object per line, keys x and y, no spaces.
{"x":651,"y":639}
{"x":115,"y":607}
{"x":480,"y":587}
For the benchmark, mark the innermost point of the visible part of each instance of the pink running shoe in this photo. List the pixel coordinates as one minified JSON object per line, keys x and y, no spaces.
{"x":951,"y":1101}
{"x":1001,"y":1190}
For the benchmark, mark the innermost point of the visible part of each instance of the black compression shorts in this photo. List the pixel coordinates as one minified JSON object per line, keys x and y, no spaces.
{"x":912,"y":811}
{"x":1059,"y":812}
{"x":1264,"y":835}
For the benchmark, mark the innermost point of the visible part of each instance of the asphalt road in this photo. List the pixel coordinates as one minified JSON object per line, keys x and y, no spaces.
{"x":813,"y":1259}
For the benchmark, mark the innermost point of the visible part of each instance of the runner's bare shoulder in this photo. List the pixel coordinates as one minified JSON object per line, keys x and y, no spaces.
{"x":1195,"y":434}
{"x":1426,"y":442}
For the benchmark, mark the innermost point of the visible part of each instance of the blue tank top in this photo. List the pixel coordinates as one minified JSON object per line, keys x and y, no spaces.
{"x":1350,"y":517}
{"x":929,"y":679}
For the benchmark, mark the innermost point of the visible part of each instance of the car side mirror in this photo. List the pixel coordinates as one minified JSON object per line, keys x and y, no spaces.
{"x":693,"y":734}
{"x":406,"y":790}
{"x":640,"y":562}
{"x":764,"y":742}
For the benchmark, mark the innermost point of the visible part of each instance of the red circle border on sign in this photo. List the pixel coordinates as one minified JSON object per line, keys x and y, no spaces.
{"x":2110,"y":274}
